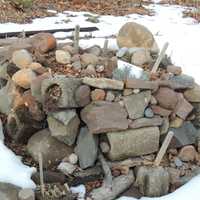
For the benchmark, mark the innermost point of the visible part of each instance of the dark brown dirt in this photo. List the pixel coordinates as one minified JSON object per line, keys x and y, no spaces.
{"x":39,"y":9}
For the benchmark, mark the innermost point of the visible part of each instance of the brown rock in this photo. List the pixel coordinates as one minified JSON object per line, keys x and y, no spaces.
{"x":146,"y":122}
{"x":102,"y":116}
{"x":160,"y":111}
{"x":141,"y":84}
{"x":135,"y":35}
{"x":43,"y":42}
{"x":98,"y":95}
{"x":183,"y":107}
{"x":52,"y":150}
{"x":36,"y":86}
{"x":23,"y":78}
{"x":166,"y":98}
{"x":82,"y":95}
{"x":187,"y":153}
{"x":104,"y":83}
{"x":174,"y":69}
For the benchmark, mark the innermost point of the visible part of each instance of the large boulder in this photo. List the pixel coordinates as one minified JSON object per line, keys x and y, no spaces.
{"x":134,"y":142}
{"x":102,"y":116}
{"x":135,"y":35}
{"x":51,"y":149}
{"x":64,"y":126}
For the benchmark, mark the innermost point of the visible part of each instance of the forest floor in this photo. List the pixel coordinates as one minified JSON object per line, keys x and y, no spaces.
{"x":45,"y":8}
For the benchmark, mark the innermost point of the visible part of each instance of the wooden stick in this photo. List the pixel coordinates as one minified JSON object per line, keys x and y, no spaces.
{"x":105,"y":46}
{"x":160,"y":57}
{"x":163,"y":148}
{"x":41,"y":174}
{"x":76,"y":38}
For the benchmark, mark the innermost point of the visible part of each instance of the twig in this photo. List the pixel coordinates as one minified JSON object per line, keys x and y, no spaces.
{"x":107,"y":171}
{"x":160,"y":57}
{"x":163,"y":148}
{"x":41,"y":174}
{"x":76,"y":38}
{"x":105,"y":47}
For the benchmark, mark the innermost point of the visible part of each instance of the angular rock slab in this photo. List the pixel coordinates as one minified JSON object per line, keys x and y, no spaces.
{"x":135,"y":142}
{"x":152,"y":182}
{"x":183,"y":107}
{"x":102,"y":116}
{"x":68,"y":87}
{"x":141,"y":84}
{"x":193,"y":95}
{"x":182,"y":81}
{"x":104,"y":83}
{"x":64,"y":126}
{"x":51,"y":149}
{"x":185,"y":135}
{"x":87,"y":148}
{"x":146,"y":122}
{"x":136,"y":104}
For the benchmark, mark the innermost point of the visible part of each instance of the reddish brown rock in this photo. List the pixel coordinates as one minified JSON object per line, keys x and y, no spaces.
{"x":82,"y":95}
{"x":187,"y":153}
{"x":98,"y":95}
{"x":43,"y":42}
{"x":160,"y":111}
{"x":166,"y":98}
{"x":183,"y":107}
{"x":102,"y":116}
{"x":174,"y":69}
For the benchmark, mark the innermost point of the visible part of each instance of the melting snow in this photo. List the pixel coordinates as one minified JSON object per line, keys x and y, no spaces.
{"x":13,"y":171}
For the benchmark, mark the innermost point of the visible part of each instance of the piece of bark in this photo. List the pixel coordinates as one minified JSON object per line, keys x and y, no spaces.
{"x":29,"y":33}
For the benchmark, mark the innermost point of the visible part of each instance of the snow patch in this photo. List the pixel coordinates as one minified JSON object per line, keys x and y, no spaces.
{"x":80,"y":190}
{"x":13,"y":171}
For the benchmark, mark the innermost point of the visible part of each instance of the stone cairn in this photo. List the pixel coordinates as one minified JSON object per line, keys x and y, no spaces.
{"x":98,"y":117}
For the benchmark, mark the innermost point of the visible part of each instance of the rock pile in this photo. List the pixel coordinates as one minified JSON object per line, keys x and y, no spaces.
{"x":82,"y":108}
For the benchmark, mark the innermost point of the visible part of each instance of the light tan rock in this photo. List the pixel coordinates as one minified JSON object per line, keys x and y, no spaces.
{"x":23,"y":78}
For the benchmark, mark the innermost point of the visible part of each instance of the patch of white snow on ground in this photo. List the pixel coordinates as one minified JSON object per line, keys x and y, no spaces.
{"x":189,"y":191}
{"x":80,"y":191}
{"x":167,"y":25}
{"x":13,"y":171}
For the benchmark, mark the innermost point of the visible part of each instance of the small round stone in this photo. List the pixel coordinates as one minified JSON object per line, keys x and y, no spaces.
{"x":22,"y":58}
{"x":73,"y":158}
{"x":63,"y":57}
{"x":178,"y":162}
{"x":148,"y":113}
